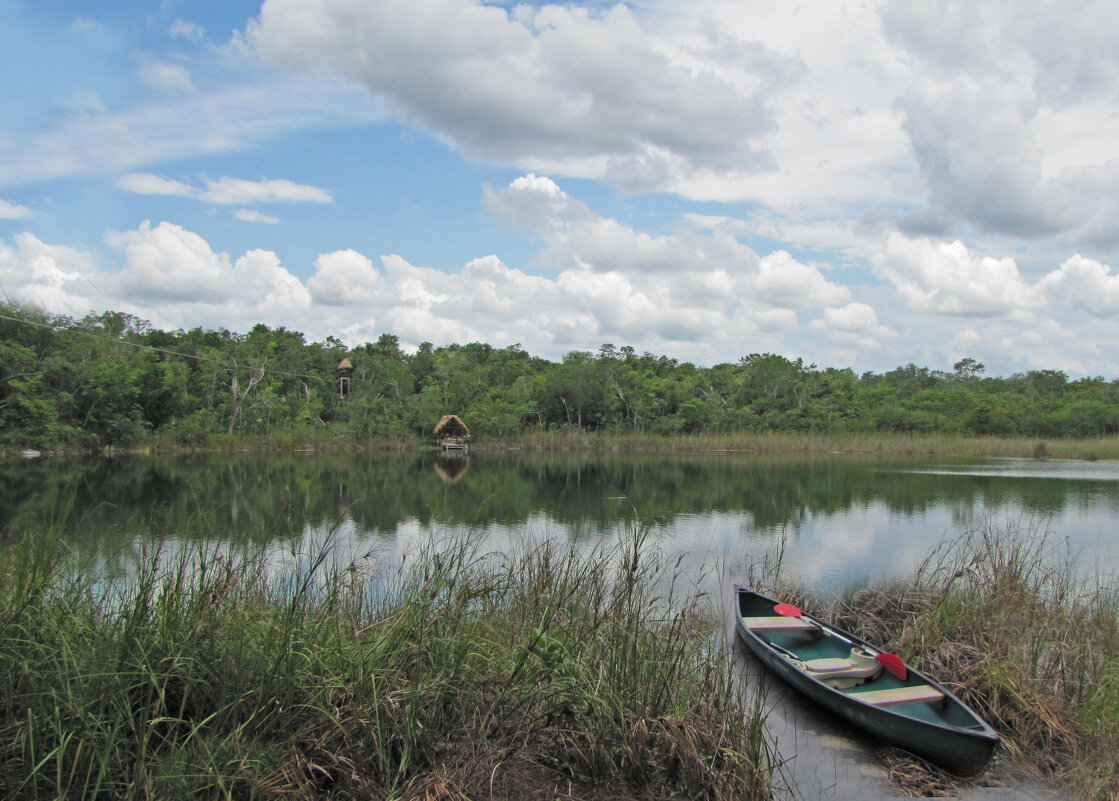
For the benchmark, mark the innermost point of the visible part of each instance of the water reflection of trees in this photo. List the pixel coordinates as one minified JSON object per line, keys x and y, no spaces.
{"x":255,"y":499}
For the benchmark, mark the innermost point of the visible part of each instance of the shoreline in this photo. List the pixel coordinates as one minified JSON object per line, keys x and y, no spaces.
{"x":769,"y":443}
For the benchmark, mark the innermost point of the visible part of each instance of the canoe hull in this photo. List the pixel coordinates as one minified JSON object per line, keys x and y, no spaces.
{"x":954,"y":737}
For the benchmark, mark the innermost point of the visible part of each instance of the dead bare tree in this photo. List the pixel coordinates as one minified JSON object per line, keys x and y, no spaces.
{"x":239,"y":395}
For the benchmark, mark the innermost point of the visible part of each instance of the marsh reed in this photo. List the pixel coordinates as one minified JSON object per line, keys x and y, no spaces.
{"x":1008,"y":619}
{"x":809,"y":442}
{"x":544,"y":674}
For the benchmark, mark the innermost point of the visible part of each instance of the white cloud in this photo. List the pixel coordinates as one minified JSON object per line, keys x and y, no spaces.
{"x":258,"y":276}
{"x":252,"y":215}
{"x":1002,"y":101}
{"x":226,"y":191}
{"x":145,"y":183}
{"x":853,"y":324}
{"x":161,"y":75}
{"x":967,"y":118}
{"x":1085,"y":285}
{"x":784,"y":281}
{"x":54,"y":277}
{"x":547,"y":86}
{"x":13,"y":211}
{"x":190,"y":31}
{"x":345,"y":277}
{"x":86,"y":25}
{"x":978,"y":154}
{"x":945,"y":278}
{"x":170,"y":264}
{"x":243,"y":112}
{"x":576,"y":238}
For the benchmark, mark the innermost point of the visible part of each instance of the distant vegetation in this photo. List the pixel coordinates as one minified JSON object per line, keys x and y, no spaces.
{"x":113,"y":379}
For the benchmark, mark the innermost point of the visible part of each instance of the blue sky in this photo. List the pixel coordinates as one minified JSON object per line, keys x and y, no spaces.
{"x":864,"y":184}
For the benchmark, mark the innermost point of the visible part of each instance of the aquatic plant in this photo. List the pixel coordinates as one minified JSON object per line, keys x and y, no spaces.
{"x":547,"y":673}
{"x":1011,"y":622}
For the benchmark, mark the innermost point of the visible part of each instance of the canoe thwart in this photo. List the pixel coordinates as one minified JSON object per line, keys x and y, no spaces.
{"x":899,"y":695}
{"x":870,"y":689}
{"x":777,"y":623}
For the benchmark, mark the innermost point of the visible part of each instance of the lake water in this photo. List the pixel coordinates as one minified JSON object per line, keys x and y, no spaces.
{"x":837,"y":520}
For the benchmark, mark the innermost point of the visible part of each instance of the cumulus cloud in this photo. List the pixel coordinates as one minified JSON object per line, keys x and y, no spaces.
{"x":574,"y":237}
{"x":54,"y":277}
{"x":1085,"y":285}
{"x":176,"y":279}
{"x":853,"y":324}
{"x":691,"y":293}
{"x":697,"y":294}
{"x":169,"y":263}
{"x":552,"y":85}
{"x":784,"y":281}
{"x":345,"y":277}
{"x":1001,"y":101}
{"x":979,"y":157}
{"x":946,"y":278}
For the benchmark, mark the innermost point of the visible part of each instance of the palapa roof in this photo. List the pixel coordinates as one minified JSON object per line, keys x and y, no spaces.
{"x":345,"y":364}
{"x":451,"y":425}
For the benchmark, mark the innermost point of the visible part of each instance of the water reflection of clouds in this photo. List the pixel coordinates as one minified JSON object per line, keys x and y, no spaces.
{"x":1057,"y":469}
{"x":839,"y":522}
{"x":825,"y":551}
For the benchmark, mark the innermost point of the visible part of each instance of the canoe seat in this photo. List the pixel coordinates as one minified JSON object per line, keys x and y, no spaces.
{"x":899,"y":695}
{"x":842,"y":672}
{"x":859,"y":665}
{"x":778,"y":623}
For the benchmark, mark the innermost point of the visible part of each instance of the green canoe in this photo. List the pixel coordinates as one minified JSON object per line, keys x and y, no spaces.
{"x":874,"y":691}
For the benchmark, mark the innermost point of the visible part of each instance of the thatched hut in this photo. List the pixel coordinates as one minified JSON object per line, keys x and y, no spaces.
{"x":343,"y":374}
{"x":451,"y":433}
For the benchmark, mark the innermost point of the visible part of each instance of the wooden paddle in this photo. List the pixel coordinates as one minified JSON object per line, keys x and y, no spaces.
{"x":892,"y":662}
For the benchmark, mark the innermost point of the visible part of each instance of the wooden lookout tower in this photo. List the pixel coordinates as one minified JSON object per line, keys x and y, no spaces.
{"x":343,"y":374}
{"x":451,"y":433}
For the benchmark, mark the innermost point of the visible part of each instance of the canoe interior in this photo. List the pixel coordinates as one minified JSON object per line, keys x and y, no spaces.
{"x":820,"y":644}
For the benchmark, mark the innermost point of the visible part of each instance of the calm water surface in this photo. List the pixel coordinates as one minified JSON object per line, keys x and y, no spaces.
{"x":836,"y":520}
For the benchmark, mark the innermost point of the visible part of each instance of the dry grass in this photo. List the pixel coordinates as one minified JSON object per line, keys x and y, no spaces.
{"x":1009,"y":623}
{"x":777,"y":442}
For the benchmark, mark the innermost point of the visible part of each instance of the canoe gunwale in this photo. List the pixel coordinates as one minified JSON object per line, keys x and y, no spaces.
{"x":975,"y":743}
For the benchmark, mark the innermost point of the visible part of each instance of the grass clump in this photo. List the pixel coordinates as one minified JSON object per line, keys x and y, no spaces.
{"x":1010,"y":624}
{"x":542,"y":675}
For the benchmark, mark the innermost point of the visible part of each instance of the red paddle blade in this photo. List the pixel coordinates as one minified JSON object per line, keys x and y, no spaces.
{"x":787,"y":610}
{"x":893,"y":663}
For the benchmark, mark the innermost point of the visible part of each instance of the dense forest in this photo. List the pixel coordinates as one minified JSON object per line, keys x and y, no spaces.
{"x":113,"y":379}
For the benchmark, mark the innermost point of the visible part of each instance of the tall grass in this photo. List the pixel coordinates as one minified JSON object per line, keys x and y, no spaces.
{"x":1009,"y":621}
{"x":870,"y":443}
{"x":545,"y":674}
{"x":324,"y":439}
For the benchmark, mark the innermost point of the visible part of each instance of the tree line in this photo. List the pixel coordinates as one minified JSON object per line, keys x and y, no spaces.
{"x":113,"y":379}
